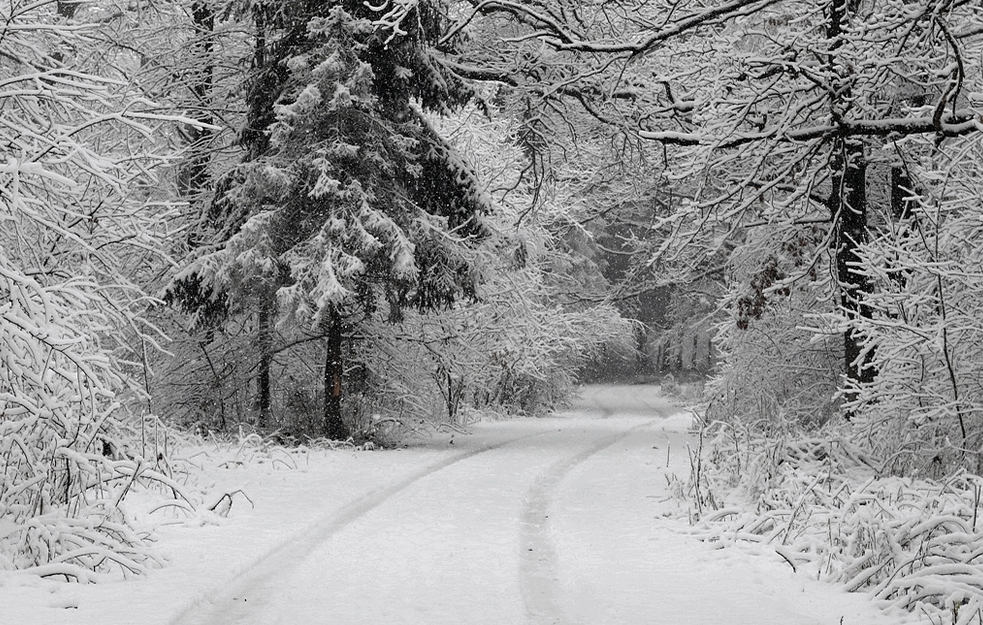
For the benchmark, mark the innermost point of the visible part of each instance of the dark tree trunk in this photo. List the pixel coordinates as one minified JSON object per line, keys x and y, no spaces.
{"x":265,"y":346}
{"x":334,"y":369}
{"x":194,"y":177}
{"x":848,"y":205}
{"x":261,"y":103}
{"x":67,"y":8}
{"x":848,"y":202}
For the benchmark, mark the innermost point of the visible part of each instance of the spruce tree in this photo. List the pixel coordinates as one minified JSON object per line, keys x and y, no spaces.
{"x":347,"y":203}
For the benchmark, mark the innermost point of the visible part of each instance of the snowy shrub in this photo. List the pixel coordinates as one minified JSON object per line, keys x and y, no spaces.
{"x":772,"y":367}
{"x":203,"y":384}
{"x":670,"y":387}
{"x":200,"y":384}
{"x":66,"y":470}
{"x":829,"y":507}
{"x":510,"y":351}
{"x":925,"y":404}
{"x":80,"y":232}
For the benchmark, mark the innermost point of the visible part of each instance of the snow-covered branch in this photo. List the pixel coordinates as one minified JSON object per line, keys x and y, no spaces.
{"x":951,"y":125}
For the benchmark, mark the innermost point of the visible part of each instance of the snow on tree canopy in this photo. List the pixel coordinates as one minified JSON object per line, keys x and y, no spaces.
{"x":346,"y":196}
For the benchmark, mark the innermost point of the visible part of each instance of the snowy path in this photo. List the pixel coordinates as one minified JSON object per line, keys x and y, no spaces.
{"x":464,"y":541}
{"x":569,"y":520}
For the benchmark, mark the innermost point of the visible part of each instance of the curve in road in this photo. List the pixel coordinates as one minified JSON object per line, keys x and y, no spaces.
{"x":229,"y":605}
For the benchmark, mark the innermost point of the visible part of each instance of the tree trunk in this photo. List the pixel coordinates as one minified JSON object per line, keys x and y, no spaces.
{"x":265,"y":345}
{"x":193,"y":175}
{"x":261,"y":104}
{"x":848,"y":205}
{"x":848,"y":202}
{"x":67,"y":8}
{"x":334,"y":369}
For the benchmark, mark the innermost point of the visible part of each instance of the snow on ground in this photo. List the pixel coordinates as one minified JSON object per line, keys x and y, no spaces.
{"x":568,"y":520}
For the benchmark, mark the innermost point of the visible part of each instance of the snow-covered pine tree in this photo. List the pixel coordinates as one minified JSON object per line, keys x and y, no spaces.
{"x":346,"y":194}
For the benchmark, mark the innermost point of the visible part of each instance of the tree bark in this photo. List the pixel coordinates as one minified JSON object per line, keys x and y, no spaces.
{"x":194,"y":177}
{"x":265,"y":345}
{"x":261,"y":104}
{"x":334,"y":370}
{"x":848,"y":205}
{"x":67,"y":8}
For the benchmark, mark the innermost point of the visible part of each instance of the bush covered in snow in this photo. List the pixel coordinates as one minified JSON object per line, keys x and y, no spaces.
{"x":832,"y":509}
{"x":924,"y":332}
{"x":772,"y":366}
{"x":81,"y":232}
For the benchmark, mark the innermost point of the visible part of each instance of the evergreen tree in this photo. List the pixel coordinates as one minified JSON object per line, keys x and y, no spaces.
{"x":346,"y":194}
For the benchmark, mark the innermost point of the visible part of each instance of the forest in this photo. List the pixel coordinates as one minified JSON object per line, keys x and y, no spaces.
{"x":342,"y":220}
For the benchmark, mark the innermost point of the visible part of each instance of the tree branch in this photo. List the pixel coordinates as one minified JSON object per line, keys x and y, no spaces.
{"x":960,"y":123}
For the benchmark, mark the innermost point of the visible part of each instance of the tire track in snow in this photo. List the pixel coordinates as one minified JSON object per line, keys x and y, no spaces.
{"x":229,"y":604}
{"x":538,"y":561}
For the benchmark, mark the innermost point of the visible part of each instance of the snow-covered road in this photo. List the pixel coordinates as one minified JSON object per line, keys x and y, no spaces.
{"x":565,"y":520}
{"x":468,"y":539}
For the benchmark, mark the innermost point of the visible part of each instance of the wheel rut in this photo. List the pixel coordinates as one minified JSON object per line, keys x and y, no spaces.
{"x":538,"y":558}
{"x":229,"y":604}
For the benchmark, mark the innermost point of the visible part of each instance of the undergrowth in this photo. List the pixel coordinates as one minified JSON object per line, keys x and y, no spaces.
{"x":82,"y":505}
{"x":830,"y":508}
{"x":63,"y":495}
